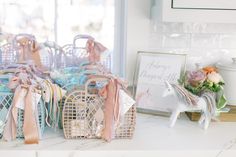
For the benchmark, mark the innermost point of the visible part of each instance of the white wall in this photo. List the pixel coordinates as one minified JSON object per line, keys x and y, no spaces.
{"x":203,"y":42}
{"x":137,"y":32}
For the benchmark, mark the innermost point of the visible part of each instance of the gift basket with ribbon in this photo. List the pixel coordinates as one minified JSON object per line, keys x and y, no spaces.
{"x":77,"y":64}
{"x":99,"y":111}
{"x":70,"y":86}
{"x":21,"y":106}
{"x":98,"y":105}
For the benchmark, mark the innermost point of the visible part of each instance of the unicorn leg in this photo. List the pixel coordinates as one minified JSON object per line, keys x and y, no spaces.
{"x":174,"y":117}
{"x":202,"y":118}
{"x":207,"y":117}
{"x":207,"y":121}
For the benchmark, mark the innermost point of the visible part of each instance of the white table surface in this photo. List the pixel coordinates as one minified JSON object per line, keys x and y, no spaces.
{"x":152,"y":136}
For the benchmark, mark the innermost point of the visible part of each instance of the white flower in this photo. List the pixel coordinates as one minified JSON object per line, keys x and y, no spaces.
{"x":215,"y":77}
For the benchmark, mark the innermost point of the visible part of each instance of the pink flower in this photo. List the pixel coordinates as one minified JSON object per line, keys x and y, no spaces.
{"x":196,"y":77}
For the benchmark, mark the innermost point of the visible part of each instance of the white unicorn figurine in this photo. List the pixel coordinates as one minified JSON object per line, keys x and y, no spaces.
{"x":190,"y":103}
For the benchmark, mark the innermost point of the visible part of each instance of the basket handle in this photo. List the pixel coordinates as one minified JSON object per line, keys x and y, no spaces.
{"x":96,"y":67}
{"x":94,"y":80}
{"x":67,"y":85}
{"x":67,"y":47}
{"x":52,"y":45}
{"x":4,"y":76}
{"x":81,"y":36}
{"x":18,"y":36}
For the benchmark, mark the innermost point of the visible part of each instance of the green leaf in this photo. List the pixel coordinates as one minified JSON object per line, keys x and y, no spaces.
{"x":221,"y":103}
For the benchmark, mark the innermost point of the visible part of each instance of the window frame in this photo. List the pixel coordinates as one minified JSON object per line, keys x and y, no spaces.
{"x":120,"y":38}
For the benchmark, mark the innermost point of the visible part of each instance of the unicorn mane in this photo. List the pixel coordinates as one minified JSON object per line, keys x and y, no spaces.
{"x":189,"y":98}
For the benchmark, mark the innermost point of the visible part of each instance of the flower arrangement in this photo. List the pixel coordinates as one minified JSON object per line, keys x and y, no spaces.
{"x":205,"y":79}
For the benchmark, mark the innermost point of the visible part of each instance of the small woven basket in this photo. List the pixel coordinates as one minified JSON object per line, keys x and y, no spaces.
{"x":79,"y":115}
{"x":5,"y":104}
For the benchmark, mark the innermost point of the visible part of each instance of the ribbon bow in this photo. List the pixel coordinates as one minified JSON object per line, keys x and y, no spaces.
{"x":30,"y":128}
{"x":95,"y":50}
{"x":29,"y":50}
{"x":112,"y":105}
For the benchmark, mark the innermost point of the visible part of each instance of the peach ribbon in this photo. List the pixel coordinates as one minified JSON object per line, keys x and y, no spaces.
{"x":112,"y":105}
{"x":30,"y":128}
{"x":10,"y":128}
{"x":94,"y":49}
{"x":109,"y":92}
{"x":29,"y":50}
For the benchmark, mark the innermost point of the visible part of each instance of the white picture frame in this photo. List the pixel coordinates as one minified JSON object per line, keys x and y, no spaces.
{"x":204,"y":4}
{"x":152,"y":70}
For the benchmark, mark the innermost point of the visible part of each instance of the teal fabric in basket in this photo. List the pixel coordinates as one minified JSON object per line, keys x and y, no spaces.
{"x":4,"y":80}
{"x":5,"y":101}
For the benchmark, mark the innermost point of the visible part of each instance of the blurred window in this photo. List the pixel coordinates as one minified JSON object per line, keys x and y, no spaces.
{"x":59,"y":20}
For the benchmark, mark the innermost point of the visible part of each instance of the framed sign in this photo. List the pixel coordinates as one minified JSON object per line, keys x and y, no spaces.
{"x":203,"y":4}
{"x":152,"y":70}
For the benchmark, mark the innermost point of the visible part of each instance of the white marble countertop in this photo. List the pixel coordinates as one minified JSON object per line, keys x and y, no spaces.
{"x":152,"y":134}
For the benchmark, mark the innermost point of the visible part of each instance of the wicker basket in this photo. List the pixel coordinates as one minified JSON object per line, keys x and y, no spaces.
{"x":7,"y":54}
{"x":79,"y":115}
{"x":5,"y":104}
{"x":52,"y":56}
{"x":76,"y":53}
{"x":229,"y":116}
{"x":68,"y":87}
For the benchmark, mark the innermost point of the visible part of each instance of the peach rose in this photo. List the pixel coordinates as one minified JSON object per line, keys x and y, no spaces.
{"x":215,"y":77}
{"x":209,"y":69}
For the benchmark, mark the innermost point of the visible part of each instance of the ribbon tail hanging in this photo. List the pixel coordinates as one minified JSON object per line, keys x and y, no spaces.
{"x":30,"y":128}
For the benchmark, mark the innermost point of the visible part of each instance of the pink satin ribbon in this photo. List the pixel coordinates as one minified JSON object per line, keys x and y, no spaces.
{"x":10,"y":130}
{"x":98,"y":68}
{"x":95,"y":50}
{"x":29,"y":50}
{"x":30,"y":129}
{"x":109,"y":93}
{"x":112,"y":105}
